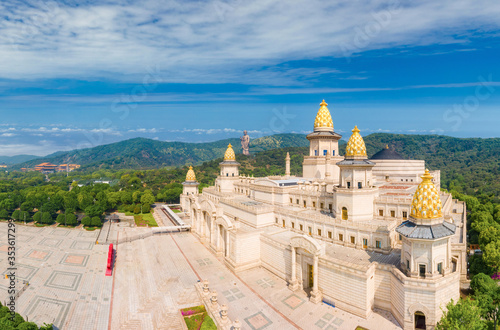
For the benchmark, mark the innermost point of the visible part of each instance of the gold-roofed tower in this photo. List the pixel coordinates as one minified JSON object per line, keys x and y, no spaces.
{"x":190,"y":176}
{"x":356,"y":148}
{"x":323,"y":148}
{"x":323,"y":121}
{"x":426,"y":205}
{"x":229,"y":155}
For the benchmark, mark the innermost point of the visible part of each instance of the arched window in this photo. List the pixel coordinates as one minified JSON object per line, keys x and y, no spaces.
{"x":420,"y":321}
{"x":344,"y":213}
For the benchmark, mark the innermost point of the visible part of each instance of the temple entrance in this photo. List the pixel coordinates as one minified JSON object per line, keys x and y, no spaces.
{"x":310,"y":273}
{"x":420,"y":321}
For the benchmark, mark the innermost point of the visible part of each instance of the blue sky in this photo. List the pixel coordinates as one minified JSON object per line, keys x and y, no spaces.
{"x":76,"y":74}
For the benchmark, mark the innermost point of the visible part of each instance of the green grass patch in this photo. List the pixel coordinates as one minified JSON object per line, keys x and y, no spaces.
{"x":141,"y":220}
{"x":196,"y":318}
{"x":176,"y":211}
{"x":91,"y":228}
{"x":41,"y":225}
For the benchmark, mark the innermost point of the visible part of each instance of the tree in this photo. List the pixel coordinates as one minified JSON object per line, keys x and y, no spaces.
{"x":86,"y":221}
{"x":126,"y":197}
{"x":37,"y":217}
{"x":94,"y":210}
{"x":491,"y":255}
{"x":137,"y":209}
{"x":464,"y":315}
{"x":25,"y":216}
{"x":96,"y":222}
{"x":27,"y":326}
{"x":4,"y":214}
{"x":487,"y":293}
{"x":16,"y":215}
{"x":147,"y":198}
{"x":47,"y":218}
{"x":71,"y":219}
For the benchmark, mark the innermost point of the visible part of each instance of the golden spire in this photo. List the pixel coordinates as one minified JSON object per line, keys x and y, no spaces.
{"x":356,"y":145}
{"x":229,"y":155}
{"x":323,"y":118}
{"x":190,"y":176}
{"x":426,"y":202}
{"x":387,"y":146}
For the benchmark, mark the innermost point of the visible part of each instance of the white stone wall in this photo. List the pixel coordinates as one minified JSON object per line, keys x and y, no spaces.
{"x":276,"y":258}
{"x":359,"y":203}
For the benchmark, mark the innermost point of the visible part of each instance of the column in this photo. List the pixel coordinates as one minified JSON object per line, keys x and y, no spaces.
{"x":294,"y":285}
{"x":316,"y":295}
{"x":227,"y":243}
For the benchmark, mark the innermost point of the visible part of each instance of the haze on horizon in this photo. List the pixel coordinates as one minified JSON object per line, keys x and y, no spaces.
{"x":83,"y":73}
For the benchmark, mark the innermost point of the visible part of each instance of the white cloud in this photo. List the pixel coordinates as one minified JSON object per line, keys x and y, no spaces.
{"x":215,"y":41}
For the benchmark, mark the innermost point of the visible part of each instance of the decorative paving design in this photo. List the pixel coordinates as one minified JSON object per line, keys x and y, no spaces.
{"x":265,"y":282}
{"x":88,"y":234}
{"x":293,"y":301}
{"x":50,"y":242}
{"x":258,"y":321}
{"x":43,"y":307}
{"x":73,"y":259}
{"x":38,"y":254}
{"x":24,"y":272}
{"x":204,"y":262}
{"x":24,"y":238}
{"x":81,"y":245}
{"x":329,"y":322}
{"x":233,"y":294}
{"x":60,"y":232}
{"x":64,"y":280}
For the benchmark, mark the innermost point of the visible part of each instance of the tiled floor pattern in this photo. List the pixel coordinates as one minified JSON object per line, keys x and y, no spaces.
{"x":265,"y":282}
{"x":329,"y":322}
{"x":65,"y":270}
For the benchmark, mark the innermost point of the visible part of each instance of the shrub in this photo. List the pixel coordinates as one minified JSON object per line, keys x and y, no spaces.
{"x":4,"y":214}
{"x":146,"y":208}
{"x":16,"y":215}
{"x":61,"y":218}
{"x":47,"y":218}
{"x":71,"y":219}
{"x":86,"y":221}
{"x":25,"y":216}
{"x":96,"y":222}
{"x":37,"y":217}
{"x":137,"y":209}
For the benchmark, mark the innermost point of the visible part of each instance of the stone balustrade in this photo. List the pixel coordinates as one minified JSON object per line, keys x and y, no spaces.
{"x":217,"y":312}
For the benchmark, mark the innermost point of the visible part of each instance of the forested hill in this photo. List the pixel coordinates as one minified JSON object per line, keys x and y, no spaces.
{"x":146,"y":153}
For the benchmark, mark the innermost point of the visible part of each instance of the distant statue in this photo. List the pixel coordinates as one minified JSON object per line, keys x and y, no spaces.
{"x":245,"y":141}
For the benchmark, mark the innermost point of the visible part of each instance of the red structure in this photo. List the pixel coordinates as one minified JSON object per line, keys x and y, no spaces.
{"x":110,"y":261}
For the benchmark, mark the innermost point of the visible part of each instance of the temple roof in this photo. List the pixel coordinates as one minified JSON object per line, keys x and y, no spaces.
{"x":426,"y":202}
{"x":356,"y":144}
{"x":323,"y":118}
{"x":412,"y":230}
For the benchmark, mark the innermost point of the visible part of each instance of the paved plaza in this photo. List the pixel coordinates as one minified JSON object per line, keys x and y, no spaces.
{"x":65,"y":270}
{"x":154,"y":277}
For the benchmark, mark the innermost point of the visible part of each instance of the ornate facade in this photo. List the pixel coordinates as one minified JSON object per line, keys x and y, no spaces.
{"x":355,"y":232}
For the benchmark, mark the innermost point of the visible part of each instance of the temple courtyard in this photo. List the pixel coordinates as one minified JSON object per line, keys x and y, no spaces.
{"x":154,"y":277}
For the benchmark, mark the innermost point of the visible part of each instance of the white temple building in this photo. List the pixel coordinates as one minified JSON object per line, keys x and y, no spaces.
{"x":355,"y":232}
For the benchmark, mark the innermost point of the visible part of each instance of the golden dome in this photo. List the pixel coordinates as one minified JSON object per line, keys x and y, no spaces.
{"x":190,"y":176}
{"x":426,"y":202}
{"x":323,"y":118}
{"x":356,"y":144}
{"x":229,"y":155}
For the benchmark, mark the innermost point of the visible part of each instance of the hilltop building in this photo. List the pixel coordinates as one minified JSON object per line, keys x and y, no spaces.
{"x":48,"y":168}
{"x":356,"y":232}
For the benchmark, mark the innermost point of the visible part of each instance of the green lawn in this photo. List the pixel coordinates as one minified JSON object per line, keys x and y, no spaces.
{"x":196,"y":318}
{"x":146,"y":218}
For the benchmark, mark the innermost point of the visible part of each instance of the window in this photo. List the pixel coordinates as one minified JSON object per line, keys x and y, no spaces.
{"x":393,"y":213}
{"x":330,"y":234}
{"x":301,"y":227}
{"x":353,"y":240}
{"x":378,"y":244}
{"x":341,"y":237}
{"x":360,"y":185}
{"x":387,"y":177}
{"x":283,"y":223}
{"x":319,"y":232}
{"x":305,"y":204}
{"x":293,"y":225}
{"x":314,"y":204}
{"x":365,"y":243}
{"x":297,"y":201}
{"x":400,"y":237}
{"x":333,"y":152}
{"x":227,"y":174}
{"x":345,"y":216}
{"x":291,"y":201}
{"x":440,"y":268}
{"x":310,"y":231}
{"x":421,"y":270}
{"x":322,"y":205}
{"x":381,"y":213}
{"x":330,"y":208}
{"x":405,"y":215}
{"x":276,"y":220}
{"x":315,"y":152}
{"x":325,"y":152}
{"x":407,"y":264}
{"x":233,"y":174}
{"x":348,"y":184}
